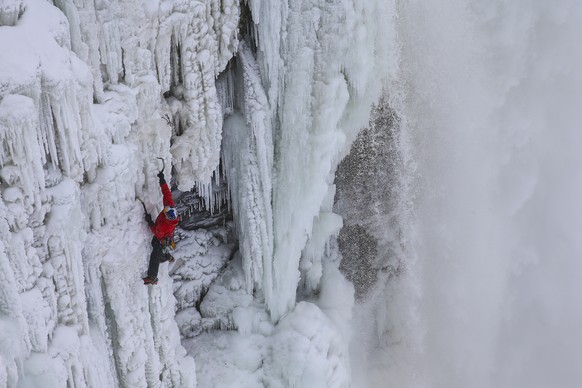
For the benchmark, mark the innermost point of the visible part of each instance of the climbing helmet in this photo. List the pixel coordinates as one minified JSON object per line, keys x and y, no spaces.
{"x":170,"y":212}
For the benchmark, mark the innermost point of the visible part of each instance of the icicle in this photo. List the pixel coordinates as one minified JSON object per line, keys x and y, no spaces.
{"x":110,"y":49}
{"x":19,"y":138}
{"x":197,"y":52}
{"x":248,"y":158}
{"x":10,"y":12}
{"x":326,"y":226}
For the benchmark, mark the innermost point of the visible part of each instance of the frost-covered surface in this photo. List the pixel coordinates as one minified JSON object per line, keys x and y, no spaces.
{"x":81,"y":100}
{"x":200,"y":257}
{"x":248,"y":159}
{"x":320,"y":80}
{"x":485,"y":100}
{"x":10,"y":12}
{"x":85,"y":91}
{"x":300,"y":352}
{"x":288,"y":121}
{"x":307,"y":348}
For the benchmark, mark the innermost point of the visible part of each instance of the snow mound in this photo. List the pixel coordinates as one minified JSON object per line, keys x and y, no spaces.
{"x":307,"y":351}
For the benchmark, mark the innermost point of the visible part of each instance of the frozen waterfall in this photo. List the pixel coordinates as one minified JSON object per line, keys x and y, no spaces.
{"x":252,"y":106}
{"x":373,"y":193}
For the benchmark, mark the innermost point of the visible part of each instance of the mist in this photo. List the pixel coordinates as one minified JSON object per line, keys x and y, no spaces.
{"x":488,"y":97}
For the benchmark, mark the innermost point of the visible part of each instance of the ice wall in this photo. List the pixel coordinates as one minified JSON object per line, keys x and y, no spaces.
{"x":293,"y":103}
{"x":319,"y":63}
{"x":43,"y":90}
{"x":248,"y":162}
{"x":81,"y":86}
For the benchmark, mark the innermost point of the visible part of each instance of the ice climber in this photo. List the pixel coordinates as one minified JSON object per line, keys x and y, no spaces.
{"x":163,"y":230}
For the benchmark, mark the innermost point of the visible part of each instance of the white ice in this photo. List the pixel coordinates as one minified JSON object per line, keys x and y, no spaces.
{"x":487,"y":99}
{"x":80,"y":128}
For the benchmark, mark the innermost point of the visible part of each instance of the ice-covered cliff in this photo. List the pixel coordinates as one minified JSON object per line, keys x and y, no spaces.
{"x":82,"y":99}
{"x":264,"y":96}
{"x":441,"y":252}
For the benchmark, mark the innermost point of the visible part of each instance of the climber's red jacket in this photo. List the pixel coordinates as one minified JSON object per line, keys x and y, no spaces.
{"x":164,"y":228}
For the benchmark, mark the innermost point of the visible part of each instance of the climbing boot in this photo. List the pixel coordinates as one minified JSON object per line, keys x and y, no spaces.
{"x":148,"y":280}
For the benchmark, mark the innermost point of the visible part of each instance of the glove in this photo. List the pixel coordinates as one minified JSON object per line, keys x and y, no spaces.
{"x":161,"y":176}
{"x":149,"y":220}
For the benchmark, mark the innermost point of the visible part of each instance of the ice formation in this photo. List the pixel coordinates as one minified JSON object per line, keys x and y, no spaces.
{"x":91,"y":94}
{"x":248,"y":159}
{"x":331,"y":54}
{"x":252,"y":105}
{"x":80,"y":127}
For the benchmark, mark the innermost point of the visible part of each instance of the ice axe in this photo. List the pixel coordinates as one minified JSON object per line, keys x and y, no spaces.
{"x":148,"y":217}
{"x":144,"y":206}
{"x":163,"y":164}
{"x":169,"y":121}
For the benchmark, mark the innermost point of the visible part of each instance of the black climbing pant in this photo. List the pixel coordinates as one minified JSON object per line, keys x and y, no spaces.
{"x":157,"y":256}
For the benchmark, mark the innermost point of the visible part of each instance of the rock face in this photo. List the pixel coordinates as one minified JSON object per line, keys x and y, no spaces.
{"x":367,"y":198}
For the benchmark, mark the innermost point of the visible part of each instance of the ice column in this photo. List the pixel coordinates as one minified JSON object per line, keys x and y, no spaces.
{"x":319,"y":65}
{"x":248,"y":158}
